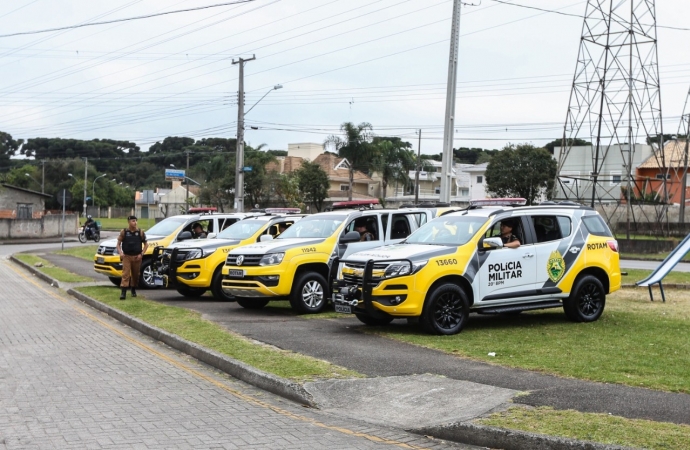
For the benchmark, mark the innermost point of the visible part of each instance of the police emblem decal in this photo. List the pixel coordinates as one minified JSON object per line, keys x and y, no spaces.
{"x":555,"y":266}
{"x":240,"y":260}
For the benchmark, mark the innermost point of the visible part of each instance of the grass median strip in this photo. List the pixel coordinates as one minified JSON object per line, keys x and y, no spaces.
{"x":49,"y":269}
{"x":190,"y":326}
{"x":636,"y":342}
{"x":83,"y":252}
{"x":603,"y":428}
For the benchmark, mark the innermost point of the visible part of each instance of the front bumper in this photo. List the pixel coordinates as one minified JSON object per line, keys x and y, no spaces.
{"x":389,"y":297}
{"x":258,"y":281}
{"x":109,"y":265}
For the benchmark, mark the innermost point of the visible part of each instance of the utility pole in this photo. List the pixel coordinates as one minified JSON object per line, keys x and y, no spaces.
{"x":186,"y":202}
{"x":416,"y":177}
{"x":43,"y":176}
{"x":86,"y":166}
{"x":449,"y":126}
{"x":239,"y":160}
{"x":681,"y":218}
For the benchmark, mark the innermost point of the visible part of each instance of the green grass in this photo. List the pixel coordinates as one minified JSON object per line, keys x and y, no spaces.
{"x":49,"y":269}
{"x":672,"y":277}
{"x":120,"y":223}
{"x":636,"y":342}
{"x":602,"y":428}
{"x":84,"y":252}
{"x":189,"y":325}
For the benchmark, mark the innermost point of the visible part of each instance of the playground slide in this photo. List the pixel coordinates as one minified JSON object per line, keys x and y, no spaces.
{"x":666,"y":266}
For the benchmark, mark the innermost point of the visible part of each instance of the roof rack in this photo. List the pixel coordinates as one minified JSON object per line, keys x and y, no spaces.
{"x":477,"y":203}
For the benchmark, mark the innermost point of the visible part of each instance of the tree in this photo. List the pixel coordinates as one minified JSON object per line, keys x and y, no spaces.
{"x":355,"y":146}
{"x":395,"y":160}
{"x":550,"y":147}
{"x":257,"y":185}
{"x":521,"y":171}
{"x":8,"y":146}
{"x":313,"y":183}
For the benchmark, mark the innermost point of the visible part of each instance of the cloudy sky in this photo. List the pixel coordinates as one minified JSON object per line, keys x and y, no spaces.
{"x":378,"y":61}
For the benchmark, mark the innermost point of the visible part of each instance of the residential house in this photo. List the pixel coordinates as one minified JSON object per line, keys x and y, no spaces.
{"x":668,"y":166}
{"x":21,"y":203}
{"x":23,"y":215}
{"x":575,"y":181}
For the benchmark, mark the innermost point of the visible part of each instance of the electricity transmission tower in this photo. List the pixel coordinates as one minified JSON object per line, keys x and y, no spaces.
{"x":615,"y":105}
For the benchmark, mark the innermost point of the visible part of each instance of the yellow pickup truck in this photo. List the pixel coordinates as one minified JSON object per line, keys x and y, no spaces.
{"x":194,"y":266}
{"x":295,"y":265}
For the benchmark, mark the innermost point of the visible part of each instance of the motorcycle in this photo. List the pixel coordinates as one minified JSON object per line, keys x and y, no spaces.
{"x":92,"y":234}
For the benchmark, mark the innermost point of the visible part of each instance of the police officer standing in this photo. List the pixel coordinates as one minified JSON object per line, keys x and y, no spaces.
{"x":129,"y":246}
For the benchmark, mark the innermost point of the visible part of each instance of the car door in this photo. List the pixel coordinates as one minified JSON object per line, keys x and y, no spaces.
{"x":553,"y":252}
{"x":377,"y":230}
{"x":507,"y":274}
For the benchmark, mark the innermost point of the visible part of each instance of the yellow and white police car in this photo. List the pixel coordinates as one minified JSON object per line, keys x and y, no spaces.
{"x":465,"y":262}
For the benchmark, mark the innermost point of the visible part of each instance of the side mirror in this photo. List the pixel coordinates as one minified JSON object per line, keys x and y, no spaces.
{"x":491,"y":243}
{"x":265,"y":237}
{"x":210,"y":235}
{"x":352,"y":236}
{"x":184,"y":236}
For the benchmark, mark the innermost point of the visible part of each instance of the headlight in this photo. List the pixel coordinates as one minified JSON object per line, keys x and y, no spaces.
{"x":198,"y":253}
{"x":403,"y":268}
{"x":271,"y":259}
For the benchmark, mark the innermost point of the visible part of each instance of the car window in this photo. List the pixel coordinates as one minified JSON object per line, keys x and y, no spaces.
{"x":372,"y":225}
{"x":495,"y":229}
{"x":450,"y":230}
{"x":401,"y":226}
{"x":566,"y":225}
{"x":166,"y":226}
{"x":242,"y":229}
{"x":547,"y":228}
{"x":313,"y":227}
{"x":596,"y":225}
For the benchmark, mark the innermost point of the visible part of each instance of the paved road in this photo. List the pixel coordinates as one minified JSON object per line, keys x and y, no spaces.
{"x":343,"y":342}
{"x":72,"y":378}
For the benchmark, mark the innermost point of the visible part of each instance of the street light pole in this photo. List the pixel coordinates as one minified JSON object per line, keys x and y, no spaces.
{"x":93,"y":190}
{"x":86,"y":174}
{"x":29,"y":176}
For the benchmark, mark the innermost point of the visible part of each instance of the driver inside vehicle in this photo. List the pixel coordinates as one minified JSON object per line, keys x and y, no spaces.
{"x":509,"y":239}
{"x":198,"y":231}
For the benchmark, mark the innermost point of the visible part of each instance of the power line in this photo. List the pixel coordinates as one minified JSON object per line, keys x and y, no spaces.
{"x":128,"y":19}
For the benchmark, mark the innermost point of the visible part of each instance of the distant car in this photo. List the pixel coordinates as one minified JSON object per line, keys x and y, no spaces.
{"x":173,"y":229}
{"x":457,"y":264}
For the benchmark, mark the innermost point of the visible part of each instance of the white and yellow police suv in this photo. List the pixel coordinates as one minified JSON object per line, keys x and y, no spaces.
{"x":457,"y":264}
{"x":194,"y":266}
{"x":295,"y":266}
{"x":172,"y":229}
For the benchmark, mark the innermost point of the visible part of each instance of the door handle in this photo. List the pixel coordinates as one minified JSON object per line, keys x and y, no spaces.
{"x":528,"y":255}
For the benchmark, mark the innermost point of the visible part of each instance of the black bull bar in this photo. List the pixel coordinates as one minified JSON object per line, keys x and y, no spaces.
{"x":168,"y":269}
{"x":350,"y":293}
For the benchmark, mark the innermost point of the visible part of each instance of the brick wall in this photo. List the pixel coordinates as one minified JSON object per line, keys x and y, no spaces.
{"x":45,"y":227}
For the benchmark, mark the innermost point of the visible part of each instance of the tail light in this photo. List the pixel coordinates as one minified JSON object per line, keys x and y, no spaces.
{"x":613,"y":245}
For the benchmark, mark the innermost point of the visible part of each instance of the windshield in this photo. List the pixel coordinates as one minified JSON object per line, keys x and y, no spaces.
{"x":166,"y":227}
{"x":313,"y":227}
{"x":242,"y":230}
{"x":447,"y":230}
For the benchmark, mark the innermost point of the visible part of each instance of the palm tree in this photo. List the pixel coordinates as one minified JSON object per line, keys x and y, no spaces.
{"x":394,"y":161}
{"x":355,"y":146}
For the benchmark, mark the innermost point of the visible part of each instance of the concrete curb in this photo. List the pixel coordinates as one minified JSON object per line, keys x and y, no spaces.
{"x":463,"y":432}
{"x":492,"y":437}
{"x":268,"y":382}
{"x":53,"y":282}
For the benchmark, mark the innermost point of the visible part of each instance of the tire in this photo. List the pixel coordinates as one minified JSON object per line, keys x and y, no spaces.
{"x":115,"y":281}
{"x":373,"y":321}
{"x":82,"y":237}
{"x":446,"y":310}
{"x":191,"y":292}
{"x":251,"y":303}
{"x":217,"y":287}
{"x":96,"y":236}
{"x":587,"y":300}
{"x":146,"y":276}
{"x":309,"y":294}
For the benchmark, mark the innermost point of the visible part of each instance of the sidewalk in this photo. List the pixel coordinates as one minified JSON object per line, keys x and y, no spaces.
{"x":363,"y":399}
